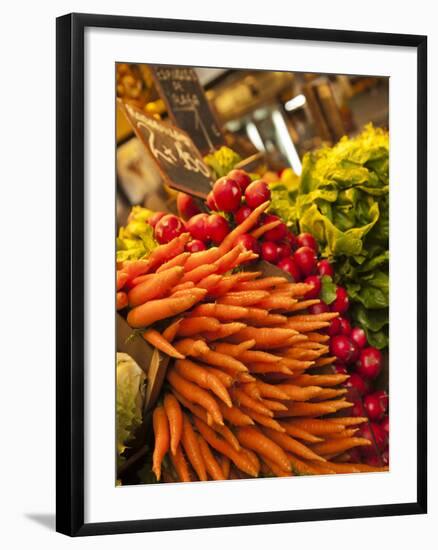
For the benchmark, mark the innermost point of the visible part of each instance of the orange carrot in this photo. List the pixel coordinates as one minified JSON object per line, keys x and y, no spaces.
{"x":234,"y":350}
{"x":253,"y":439}
{"x":177,"y":260}
{"x":122,"y":300}
{"x":189,"y":346}
{"x":339,"y":445}
{"x":235,"y":416}
{"x":265,"y":368}
{"x":224,"y":331}
{"x":241,"y":398}
{"x":219,"y":311}
{"x":180,"y":464}
{"x":214,"y":469}
{"x":288,"y":443}
{"x":298,"y":393}
{"x":135,"y":268}
{"x":271,"y":391}
{"x":162,"y":439}
{"x":122,"y":278}
{"x":225,"y":465}
{"x":200,"y":258}
{"x":182,"y":286}
{"x":262,"y":419}
{"x":242,"y":228}
{"x":348,"y":420}
{"x":316,"y":426}
{"x":274,"y":469}
{"x":199,"y":273}
{"x":175,"y":420}
{"x":255,"y":356}
{"x":299,"y":433}
{"x":263,"y":336}
{"x":274,"y":405}
{"x":158,"y":341}
{"x":243,"y":298}
{"x":166,"y":252}
{"x":306,"y":409}
{"x":191,"y":326}
{"x":155,"y":310}
{"x":194,"y":393}
{"x":257,"y":233}
{"x":223,"y":361}
{"x":262,"y":284}
{"x":228,"y":261}
{"x":203,"y":378}
{"x":190,"y":444}
{"x":171,"y":330}
{"x":320,"y":379}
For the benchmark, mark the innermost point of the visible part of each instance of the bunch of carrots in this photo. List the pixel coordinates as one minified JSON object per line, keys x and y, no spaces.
{"x":245,"y":395}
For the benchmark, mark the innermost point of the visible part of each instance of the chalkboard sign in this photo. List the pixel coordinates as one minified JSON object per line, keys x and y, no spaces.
{"x":187,"y":105}
{"x":177,"y":158}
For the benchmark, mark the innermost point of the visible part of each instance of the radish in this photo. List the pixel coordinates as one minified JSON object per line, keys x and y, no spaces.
{"x":187,"y":206}
{"x":241,"y":178}
{"x":384,"y":424}
{"x":306,"y":239}
{"x":241,"y":215}
{"x":357,"y":383}
{"x":290,"y":266}
{"x":345,"y":327}
{"x":305,"y":258}
{"x":168,"y":228}
{"x":335,"y":327}
{"x":257,"y":193}
{"x":197,"y":227}
{"x":195,"y":246}
{"x":370,"y":363}
{"x":325,"y":268}
{"x":373,"y":407}
{"x":210,"y":201}
{"x":227,"y":194}
{"x":359,"y":336}
{"x":339,"y":369}
{"x":291,"y":239}
{"x":269,"y":252}
{"x":248,"y":242}
{"x":315,"y":283}
{"x":155,"y":218}
{"x":383,"y":397}
{"x":284,"y":250}
{"x":216,"y":228}
{"x":374,"y":433}
{"x":342,"y":347}
{"x":341,"y":302}
{"x":316,"y":309}
{"x":277,"y":233}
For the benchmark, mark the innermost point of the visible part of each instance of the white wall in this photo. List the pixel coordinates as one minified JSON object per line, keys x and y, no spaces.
{"x":27,"y":175}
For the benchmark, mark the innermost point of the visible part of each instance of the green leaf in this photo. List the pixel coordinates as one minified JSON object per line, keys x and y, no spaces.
{"x":328,"y":290}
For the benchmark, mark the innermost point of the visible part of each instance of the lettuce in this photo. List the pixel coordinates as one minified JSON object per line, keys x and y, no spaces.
{"x":222,"y":161}
{"x":136,"y":239}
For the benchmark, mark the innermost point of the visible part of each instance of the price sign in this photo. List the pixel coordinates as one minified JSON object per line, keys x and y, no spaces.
{"x":177,"y":158}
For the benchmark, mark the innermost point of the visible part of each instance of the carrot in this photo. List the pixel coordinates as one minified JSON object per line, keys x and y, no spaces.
{"x":270,"y":320}
{"x":191,"y":326}
{"x":245,"y":257}
{"x":166,"y":252}
{"x":345,"y":433}
{"x":261,"y":284}
{"x":140,"y":279}
{"x":194,"y":393}
{"x":135,"y":268}
{"x":244,"y":377}
{"x":277,"y":302}
{"x":254,"y":356}
{"x":342,"y":468}
{"x":180,"y":464}
{"x":329,"y":393}
{"x":339,"y":445}
{"x":275,"y":469}
{"x":274,"y":405}
{"x":264,"y":368}
{"x":121,"y":300}
{"x":190,"y":445}
{"x":223,"y":361}
{"x":158,"y":341}
{"x":214,"y":469}
{"x":228,"y":261}
{"x":367,"y":468}
{"x":243,"y":298}
{"x":263,"y":336}
{"x":253,"y":439}
{"x":200,"y":258}
{"x":155,"y":310}
{"x":203,"y":378}
{"x":301,"y":467}
{"x":241,"y":398}
{"x":324,"y":361}
{"x":251,"y":389}
{"x":171,"y":330}
{"x":182,"y":286}
{"x":327,"y":316}
{"x":226,"y":379}
{"x":240,"y":459}
{"x":348,"y":420}
{"x":225,"y":465}
{"x":262,"y":419}
{"x":317,"y":337}
{"x":242,"y":228}
{"x":175,"y":420}
{"x":313,"y":346}
{"x":271,"y":391}
{"x":122,"y":278}
{"x":194,"y":348}
{"x":316,"y":426}
{"x":235,"y":416}
{"x":304,"y":304}
{"x":162,"y":438}
{"x":302,"y":326}
{"x":298,"y":393}
{"x":320,"y":379}
{"x":234,"y":350}
{"x":255,"y":314}
{"x":177,"y":260}
{"x":299,"y":433}
{"x":302,"y":354}
{"x":288,"y":443}
{"x":209,"y":282}
{"x":199,"y":273}
{"x":306,"y":409}
{"x":257,"y":233}
{"x":224,"y":331}
{"x":223,"y":286}
{"x":219,"y":311}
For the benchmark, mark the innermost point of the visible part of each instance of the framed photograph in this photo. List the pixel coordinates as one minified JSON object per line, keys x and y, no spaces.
{"x":241,"y":274}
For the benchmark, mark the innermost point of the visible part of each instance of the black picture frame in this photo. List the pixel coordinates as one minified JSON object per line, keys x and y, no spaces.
{"x":70,"y":272}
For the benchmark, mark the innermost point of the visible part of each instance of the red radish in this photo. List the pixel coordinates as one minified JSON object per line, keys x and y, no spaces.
{"x":217,"y":228}
{"x":306,"y":239}
{"x":210,"y":201}
{"x":241,"y":178}
{"x":168,"y":228}
{"x":371,"y":457}
{"x":227,"y":194}
{"x":370,"y":363}
{"x":283,"y":250}
{"x":277,"y":233}
{"x":155,"y":218}
{"x":355,"y":352}
{"x":241,"y":215}
{"x":384,"y":424}
{"x":257,"y":193}
{"x":345,"y":327}
{"x":359,"y":336}
{"x":340,"y":369}
{"x":197,"y":227}
{"x":291,"y":239}
{"x":305,"y":258}
{"x":290,"y":266}
{"x":335,"y":327}
{"x":373,"y":407}
{"x":319,"y":308}
{"x":269,"y":252}
{"x":187,"y":206}
{"x":315,"y":282}
{"x":357,"y":408}
{"x":383,"y":397}
{"x":375,"y":434}
{"x":195,"y":246}
{"x":325,"y":268}
{"x":385,"y":457}
{"x":248,"y":242}
{"x":341,"y":302}
{"x":342,"y":347}
{"x":357,"y":383}
{"x":354,"y":455}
